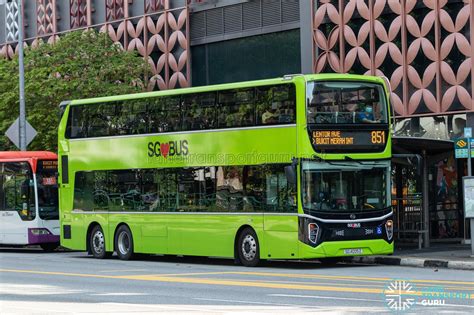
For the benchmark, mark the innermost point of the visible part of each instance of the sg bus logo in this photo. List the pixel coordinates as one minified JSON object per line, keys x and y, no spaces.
{"x":165,"y":149}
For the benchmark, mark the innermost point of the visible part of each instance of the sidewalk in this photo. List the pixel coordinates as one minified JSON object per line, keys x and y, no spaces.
{"x":452,"y":256}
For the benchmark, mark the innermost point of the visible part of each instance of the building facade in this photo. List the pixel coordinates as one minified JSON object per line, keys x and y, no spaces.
{"x":424,"y":48}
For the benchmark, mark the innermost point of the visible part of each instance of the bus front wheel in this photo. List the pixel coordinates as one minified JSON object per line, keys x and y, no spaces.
{"x":124,"y":243}
{"x":248,"y":248}
{"x":49,"y":247}
{"x":97,"y":243}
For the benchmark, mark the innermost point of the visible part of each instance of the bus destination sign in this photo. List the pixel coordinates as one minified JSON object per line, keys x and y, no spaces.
{"x":48,"y":164}
{"x":349,"y":140}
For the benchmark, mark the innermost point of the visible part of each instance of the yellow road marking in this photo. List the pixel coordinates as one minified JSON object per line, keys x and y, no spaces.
{"x":311,"y":276}
{"x":380,"y":285}
{"x":190,"y":274}
{"x":250,"y":283}
{"x":348,"y":278}
{"x":247,"y":283}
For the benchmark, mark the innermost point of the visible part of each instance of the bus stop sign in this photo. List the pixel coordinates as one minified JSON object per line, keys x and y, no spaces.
{"x":461,"y":148}
{"x":13,"y":133}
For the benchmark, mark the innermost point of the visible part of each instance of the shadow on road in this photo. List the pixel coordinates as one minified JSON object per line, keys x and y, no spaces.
{"x":200,"y":260}
{"x":196,"y":260}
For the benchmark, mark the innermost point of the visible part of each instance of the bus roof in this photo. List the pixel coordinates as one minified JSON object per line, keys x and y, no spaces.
{"x":235,"y":85}
{"x":27,"y":156}
{"x":40,"y":155}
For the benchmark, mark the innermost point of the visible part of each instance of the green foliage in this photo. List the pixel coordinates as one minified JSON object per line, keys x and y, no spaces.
{"x":80,"y":65}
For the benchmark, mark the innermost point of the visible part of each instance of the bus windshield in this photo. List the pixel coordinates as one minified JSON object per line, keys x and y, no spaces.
{"x":344,"y":102}
{"x":47,"y":189}
{"x":344,"y":186}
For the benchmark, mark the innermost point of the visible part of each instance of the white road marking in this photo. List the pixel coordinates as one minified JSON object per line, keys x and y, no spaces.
{"x":119,"y":294}
{"x":34,"y":289}
{"x":324,"y":297}
{"x":250,"y":302}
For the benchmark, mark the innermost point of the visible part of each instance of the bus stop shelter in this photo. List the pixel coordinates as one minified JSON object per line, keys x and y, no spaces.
{"x":412,"y":210}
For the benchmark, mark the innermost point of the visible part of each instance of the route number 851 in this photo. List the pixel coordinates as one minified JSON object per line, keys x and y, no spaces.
{"x":378,"y":137}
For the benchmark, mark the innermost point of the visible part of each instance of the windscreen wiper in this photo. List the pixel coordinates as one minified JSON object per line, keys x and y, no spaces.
{"x":348,"y":158}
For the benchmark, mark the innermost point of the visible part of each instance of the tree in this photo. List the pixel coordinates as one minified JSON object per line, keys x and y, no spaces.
{"x":79,"y":65}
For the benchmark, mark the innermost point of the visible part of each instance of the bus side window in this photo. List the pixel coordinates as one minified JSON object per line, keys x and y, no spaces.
{"x":199,"y":111}
{"x":236,"y":108}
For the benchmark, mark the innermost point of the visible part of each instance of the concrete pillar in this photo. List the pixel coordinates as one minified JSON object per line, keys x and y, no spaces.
{"x":306,"y":36}
{"x":426,"y":209}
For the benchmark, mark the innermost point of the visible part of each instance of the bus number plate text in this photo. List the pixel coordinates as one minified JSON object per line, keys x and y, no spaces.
{"x":353,"y":251}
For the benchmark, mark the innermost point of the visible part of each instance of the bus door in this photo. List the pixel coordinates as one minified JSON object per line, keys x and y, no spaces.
{"x":47,"y":190}
{"x":280,"y":219}
{"x":17,"y":202}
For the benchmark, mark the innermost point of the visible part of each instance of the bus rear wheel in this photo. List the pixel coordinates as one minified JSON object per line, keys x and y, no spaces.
{"x":248,"y":248}
{"x":124,"y":243}
{"x":97,"y":243}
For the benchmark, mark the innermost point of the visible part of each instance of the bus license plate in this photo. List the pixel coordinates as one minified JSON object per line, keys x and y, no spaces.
{"x":353,"y":251}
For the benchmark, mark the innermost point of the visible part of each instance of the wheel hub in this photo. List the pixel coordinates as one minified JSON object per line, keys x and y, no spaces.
{"x":123,"y":243}
{"x":98,"y":242}
{"x":249,"y":247}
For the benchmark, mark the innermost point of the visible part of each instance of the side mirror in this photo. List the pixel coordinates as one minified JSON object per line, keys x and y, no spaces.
{"x":62,"y":108}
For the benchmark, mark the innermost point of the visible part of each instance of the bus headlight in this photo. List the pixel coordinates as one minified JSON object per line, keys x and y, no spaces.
{"x":40,"y":232}
{"x":313,"y":231}
{"x":389,"y":229}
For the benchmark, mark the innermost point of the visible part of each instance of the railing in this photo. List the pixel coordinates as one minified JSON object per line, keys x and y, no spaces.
{"x":409,"y":219}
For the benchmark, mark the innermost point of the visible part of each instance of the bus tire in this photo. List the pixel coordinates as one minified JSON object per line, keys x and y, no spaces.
{"x":124,"y":243}
{"x":97,"y":243}
{"x":49,"y":247}
{"x":248,"y":248}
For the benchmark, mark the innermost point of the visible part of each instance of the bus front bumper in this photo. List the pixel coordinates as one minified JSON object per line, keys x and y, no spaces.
{"x":346,"y":249}
{"x":41,"y":236}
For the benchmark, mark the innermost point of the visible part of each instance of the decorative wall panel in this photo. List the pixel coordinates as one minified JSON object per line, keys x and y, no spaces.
{"x":114,"y":10}
{"x":387,"y":55}
{"x":45,"y":17}
{"x":155,"y":5}
{"x":78,"y":13}
{"x":422,"y":47}
{"x":11,"y":21}
{"x":421,"y":57}
{"x":326,"y":34}
{"x":455,"y":55}
{"x":356,"y":54}
{"x":161,"y":37}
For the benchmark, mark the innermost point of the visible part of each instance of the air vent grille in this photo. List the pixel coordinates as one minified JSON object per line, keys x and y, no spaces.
{"x":237,"y":18}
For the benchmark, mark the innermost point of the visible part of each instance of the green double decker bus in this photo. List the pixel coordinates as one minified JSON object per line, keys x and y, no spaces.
{"x":296,"y":167}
